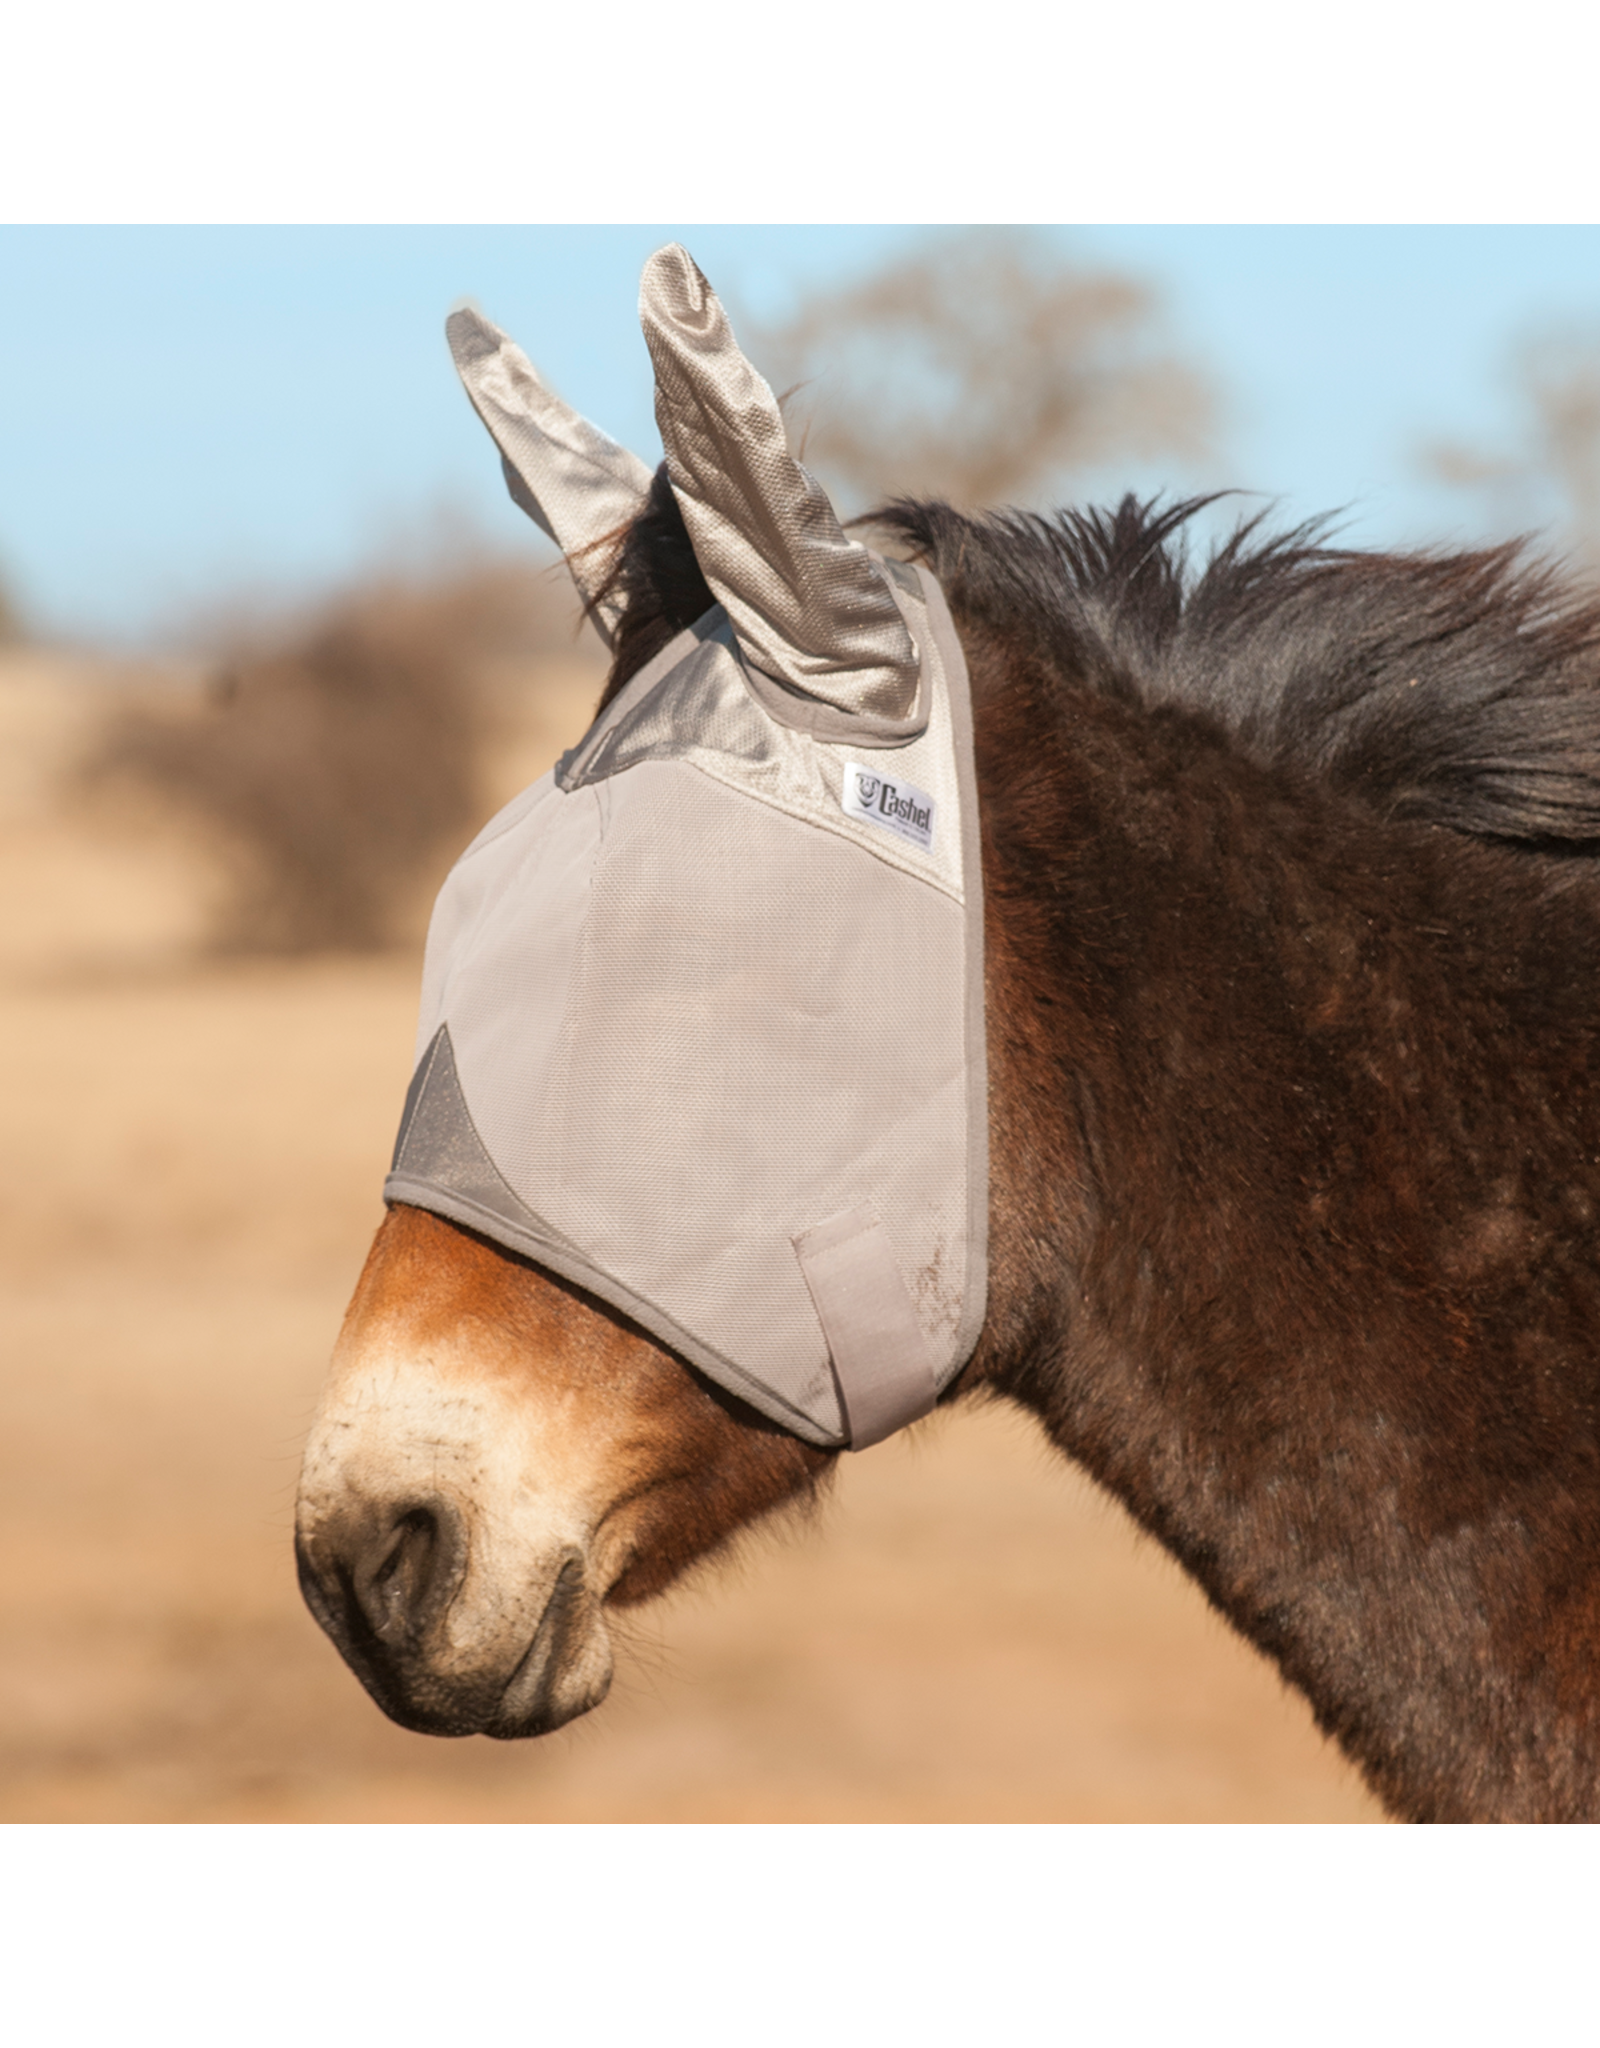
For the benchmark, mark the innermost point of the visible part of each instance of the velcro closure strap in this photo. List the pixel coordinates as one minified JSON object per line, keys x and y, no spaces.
{"x":880,"y":1356}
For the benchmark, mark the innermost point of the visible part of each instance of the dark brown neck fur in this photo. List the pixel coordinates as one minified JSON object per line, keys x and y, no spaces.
{"x":1297,"y":1167}
{"x":1295,"y":1131}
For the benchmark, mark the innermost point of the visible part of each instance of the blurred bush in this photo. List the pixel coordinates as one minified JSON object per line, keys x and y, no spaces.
{"x":12,"y":630}
{"x":337,"y":766}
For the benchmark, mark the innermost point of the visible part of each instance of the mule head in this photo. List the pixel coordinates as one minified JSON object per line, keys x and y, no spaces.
{"x":498,"y":1459}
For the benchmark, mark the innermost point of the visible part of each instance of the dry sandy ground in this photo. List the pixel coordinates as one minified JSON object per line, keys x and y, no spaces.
{"x":190,"y":1158}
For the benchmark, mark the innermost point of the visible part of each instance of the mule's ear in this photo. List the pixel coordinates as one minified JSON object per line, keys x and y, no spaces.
{"x":568,"y":477}
{"x":810,"y":606}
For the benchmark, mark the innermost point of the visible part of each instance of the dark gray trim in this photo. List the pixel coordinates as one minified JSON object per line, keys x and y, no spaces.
{"x":439,"y":1142}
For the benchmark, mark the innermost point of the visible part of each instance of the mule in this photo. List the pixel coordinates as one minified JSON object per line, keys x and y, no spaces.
{"x":1293,"y":976}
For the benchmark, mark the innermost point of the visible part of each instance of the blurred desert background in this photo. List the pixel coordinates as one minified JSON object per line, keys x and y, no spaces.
{"x":216,"y":861}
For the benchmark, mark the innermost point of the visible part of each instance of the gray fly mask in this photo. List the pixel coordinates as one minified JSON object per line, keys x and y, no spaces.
{"x":702,"y":1011}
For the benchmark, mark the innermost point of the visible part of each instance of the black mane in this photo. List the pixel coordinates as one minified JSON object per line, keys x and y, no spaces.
{"x":1450,"y":689}
{"x":1460,"y":690}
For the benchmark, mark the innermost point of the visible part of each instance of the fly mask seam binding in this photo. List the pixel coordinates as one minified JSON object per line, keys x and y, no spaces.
{"x":702,"y":1015}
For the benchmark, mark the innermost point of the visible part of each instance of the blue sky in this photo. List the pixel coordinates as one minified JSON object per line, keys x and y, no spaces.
{"x":190,"y":414}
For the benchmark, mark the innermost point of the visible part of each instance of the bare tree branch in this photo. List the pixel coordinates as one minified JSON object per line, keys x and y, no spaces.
{"x":983,"y":369}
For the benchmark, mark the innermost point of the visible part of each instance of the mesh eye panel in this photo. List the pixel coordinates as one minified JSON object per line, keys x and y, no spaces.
{"x":687,"y":1026}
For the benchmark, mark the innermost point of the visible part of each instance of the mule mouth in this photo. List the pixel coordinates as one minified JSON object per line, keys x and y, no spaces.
{"x":534,"y":1701}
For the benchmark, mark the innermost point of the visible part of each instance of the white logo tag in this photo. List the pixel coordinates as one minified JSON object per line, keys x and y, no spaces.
{"x":885,"y":800}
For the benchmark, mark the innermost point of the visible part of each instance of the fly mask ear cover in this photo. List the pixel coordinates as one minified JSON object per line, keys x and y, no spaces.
{"x":702,"y":1014}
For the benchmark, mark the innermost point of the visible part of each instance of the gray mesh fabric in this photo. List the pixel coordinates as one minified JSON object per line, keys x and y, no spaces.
{"x":812,"y":608}
{"x":571,"y":480}
{"x":702,"y":1030}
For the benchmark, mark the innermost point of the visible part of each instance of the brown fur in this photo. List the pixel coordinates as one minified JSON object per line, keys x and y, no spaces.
{"x":1324,"y":1318}
{"x":1293,"y":982}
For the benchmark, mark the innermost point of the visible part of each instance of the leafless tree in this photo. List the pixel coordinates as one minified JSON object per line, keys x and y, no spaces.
{"x":983,"y":368}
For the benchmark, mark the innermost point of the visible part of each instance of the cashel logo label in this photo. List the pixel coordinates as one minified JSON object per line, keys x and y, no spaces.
{"x":885,"y":800}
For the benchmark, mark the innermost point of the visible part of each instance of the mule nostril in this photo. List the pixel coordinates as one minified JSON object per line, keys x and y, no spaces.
{"x":398,"y":1585}
{"x":402,"y":1569}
